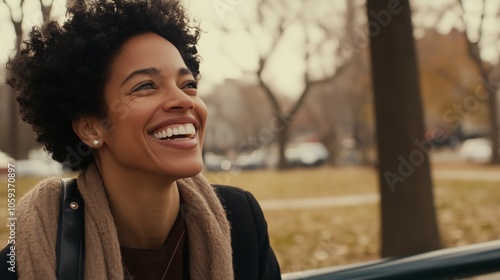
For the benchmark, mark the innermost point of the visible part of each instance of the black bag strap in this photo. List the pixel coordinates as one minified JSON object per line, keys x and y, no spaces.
{"x":70,"y":248}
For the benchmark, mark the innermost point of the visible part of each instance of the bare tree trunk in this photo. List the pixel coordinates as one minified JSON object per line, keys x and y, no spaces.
{"x":282,"y":140}
{"x":333,"y":150}
{"x":493,"y":115}
{"x":494,"y":127}
{"x":492,"y":101}
{"x":407,"y":203}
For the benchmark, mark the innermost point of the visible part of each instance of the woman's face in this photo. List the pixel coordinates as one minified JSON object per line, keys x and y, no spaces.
{"x":158,"y":120}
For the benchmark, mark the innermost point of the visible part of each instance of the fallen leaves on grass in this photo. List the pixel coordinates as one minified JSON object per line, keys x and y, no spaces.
{"x":313,"y":238}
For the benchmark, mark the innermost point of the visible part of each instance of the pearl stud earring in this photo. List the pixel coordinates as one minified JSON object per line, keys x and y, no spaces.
{"x":96,"y":143}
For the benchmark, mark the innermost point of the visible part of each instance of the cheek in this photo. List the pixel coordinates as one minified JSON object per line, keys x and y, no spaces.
{"x":118,"y":110}
{"x":130,"y":119}
{"x":201,"y":110}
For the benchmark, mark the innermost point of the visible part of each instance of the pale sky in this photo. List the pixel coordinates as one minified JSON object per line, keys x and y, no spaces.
{"x":232,"y":56}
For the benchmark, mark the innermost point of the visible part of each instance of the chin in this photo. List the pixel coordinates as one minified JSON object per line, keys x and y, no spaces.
{"x":185,"y":170}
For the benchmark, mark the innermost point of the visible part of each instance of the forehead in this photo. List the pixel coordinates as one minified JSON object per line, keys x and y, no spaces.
{"x":146,"y":51}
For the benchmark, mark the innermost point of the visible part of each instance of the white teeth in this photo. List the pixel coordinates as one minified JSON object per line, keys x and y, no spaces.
{"x":182,"y":130}
{"x":186,"y":129}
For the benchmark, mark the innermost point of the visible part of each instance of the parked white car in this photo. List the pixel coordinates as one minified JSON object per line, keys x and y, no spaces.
{"x":307,"y":154}
{"x":476,"y":150}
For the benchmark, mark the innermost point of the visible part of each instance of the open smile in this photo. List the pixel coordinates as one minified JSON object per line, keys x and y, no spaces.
{"x":175,"y":132}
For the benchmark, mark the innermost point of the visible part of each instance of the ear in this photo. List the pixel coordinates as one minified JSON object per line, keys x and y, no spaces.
{"x":88,"y":129}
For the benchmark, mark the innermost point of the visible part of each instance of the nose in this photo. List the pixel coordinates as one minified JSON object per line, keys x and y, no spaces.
{"x":177,"y":100}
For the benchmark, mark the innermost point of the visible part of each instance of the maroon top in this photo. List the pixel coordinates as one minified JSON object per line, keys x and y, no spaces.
{"x":142,"y":264}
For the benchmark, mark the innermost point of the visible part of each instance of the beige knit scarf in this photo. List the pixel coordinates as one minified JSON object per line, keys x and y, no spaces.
{"x":210,"y":255}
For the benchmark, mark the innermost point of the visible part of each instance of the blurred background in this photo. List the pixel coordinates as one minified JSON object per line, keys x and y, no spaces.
{"x":345,"y":169}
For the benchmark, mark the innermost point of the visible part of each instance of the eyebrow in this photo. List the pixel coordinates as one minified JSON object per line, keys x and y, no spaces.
{"x":155,"y":72}
{"x":185,"y":71}
{"x":145,"y":71}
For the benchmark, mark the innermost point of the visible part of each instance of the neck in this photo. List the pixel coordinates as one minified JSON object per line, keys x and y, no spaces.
{"x":144,"y":208}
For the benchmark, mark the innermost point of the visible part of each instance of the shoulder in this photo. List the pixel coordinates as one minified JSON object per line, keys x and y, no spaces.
{"x":230,"y":194}
{"x":46,"y":189}
{"x":44,"y":197}
{"x":252,"y":254}
{"x":241,"y":203}
{"x":230,"y":190}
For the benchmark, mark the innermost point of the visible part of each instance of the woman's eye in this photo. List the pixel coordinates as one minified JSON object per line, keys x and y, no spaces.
{"x":192,"y":84}
{"x":145,"y":86}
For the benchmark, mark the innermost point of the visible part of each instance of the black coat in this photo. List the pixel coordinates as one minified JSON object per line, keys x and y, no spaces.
{"x":253,"y":258}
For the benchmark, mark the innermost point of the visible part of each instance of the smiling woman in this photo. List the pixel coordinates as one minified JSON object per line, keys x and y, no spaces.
{"x":112,"y":93}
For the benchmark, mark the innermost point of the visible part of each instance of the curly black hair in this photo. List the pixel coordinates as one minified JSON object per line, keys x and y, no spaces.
{"x":60,"y":73}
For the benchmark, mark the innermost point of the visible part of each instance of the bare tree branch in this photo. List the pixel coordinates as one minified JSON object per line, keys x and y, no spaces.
{"x":264,"y":58}
{"x":17,"y":24}
{"x":307,"y":55}
{"x":46,"y":10}
{"x":481,"y":22}
{"x":473,"y":47}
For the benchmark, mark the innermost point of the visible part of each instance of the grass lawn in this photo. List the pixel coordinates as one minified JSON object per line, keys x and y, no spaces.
{"x":312,"y":238}
{"x":301,"y":183}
